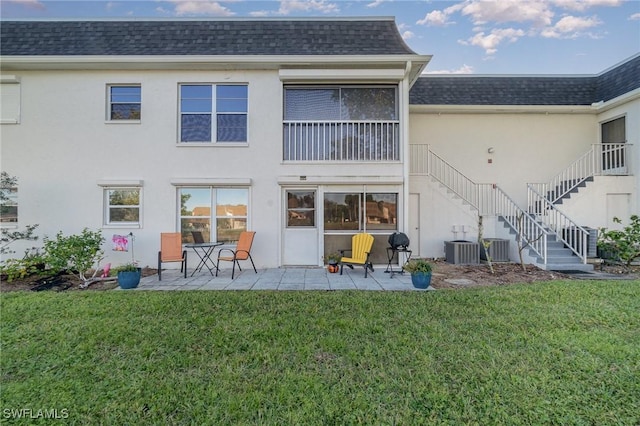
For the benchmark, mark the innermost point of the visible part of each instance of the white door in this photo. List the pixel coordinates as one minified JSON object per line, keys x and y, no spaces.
{"x":300,"y":230}
{"x":414,"y":224}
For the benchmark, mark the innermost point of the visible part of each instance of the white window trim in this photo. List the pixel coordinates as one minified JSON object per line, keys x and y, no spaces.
{"x":108,"y":119}
{"x":11,"y":99}
{"x":107,"y":185}
{"x":16,"y":224}
{"x":214,"y":122}
{"x":213,"y":187}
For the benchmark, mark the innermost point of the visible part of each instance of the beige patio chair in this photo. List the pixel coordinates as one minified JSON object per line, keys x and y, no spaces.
{"x":241,"y":252}
{"x":171,"y":251}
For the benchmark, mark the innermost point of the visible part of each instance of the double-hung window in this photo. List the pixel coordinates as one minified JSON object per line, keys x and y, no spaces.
{"x":213,"y":113}
{"x":9,"y":203}
{"x":122,"y":206}
{"x":124,"y":102}
{"x":9,"y":99}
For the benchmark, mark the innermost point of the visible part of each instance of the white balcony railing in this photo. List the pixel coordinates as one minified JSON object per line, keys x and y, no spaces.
{"x":341,"y":141}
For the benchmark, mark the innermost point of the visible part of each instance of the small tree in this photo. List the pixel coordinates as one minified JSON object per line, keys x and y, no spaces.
{"x":75,"y":253}
{"x":7,"y":184}
{"x":623,"y":244}
{"x":485,"y":244}
{"x":521,"y":239}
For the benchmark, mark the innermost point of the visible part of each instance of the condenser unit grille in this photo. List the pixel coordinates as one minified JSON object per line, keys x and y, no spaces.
{"x":462,"y":252}
{"x":498,"y":250}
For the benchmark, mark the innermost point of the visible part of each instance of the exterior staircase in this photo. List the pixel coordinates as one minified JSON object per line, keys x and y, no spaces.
{"x":544,"y":199}
{"x":551,"y":239}
{"x":556,"y":256}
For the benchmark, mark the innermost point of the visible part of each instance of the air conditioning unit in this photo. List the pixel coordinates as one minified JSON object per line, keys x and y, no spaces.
{"x":462,"y":252}
{"x":498,"y":250}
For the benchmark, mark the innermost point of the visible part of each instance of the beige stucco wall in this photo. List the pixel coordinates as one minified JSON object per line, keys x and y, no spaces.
{"x":526,"y":147}
{"x":63,"y":147}
{"x":631,"y":111}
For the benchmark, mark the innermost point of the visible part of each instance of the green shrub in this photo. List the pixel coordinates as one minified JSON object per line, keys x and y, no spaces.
{"x":75,"y":253}
{"x":32,"y":263}
{"x":417,"y":265}
{"x":624,"y":245}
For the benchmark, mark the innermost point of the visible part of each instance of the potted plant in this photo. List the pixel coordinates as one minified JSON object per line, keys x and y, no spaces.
{"x":420,"y":271}
{"x":128,"y":275}
{"x":332,"y":262}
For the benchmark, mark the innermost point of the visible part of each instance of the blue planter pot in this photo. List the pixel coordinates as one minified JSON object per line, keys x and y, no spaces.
{"x":421,"y":279}
{"x":129,"y":279}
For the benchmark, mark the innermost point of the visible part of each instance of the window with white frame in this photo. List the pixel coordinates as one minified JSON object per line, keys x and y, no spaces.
{"x":9,"y":99}
{"x":219,"y":214}
{"x":301,"y":208}
{"x":8,"y":202}
{"x":123,"y":206}
{"x":124,"y":102}
{"x":213,"y":113}
{"x":361,"y":212}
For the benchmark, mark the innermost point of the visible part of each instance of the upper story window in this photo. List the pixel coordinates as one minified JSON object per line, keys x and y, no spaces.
{"x":340,"y":103}
{"x":9,"y":99}
{"x":213,"y":113}
{"x":125,"y":102}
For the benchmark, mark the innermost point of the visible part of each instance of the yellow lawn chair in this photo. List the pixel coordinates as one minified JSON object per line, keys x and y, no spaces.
{"x":360,"y":249}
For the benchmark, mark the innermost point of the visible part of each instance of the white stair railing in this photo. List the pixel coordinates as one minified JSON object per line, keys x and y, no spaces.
{"x":529,"y":233}
{"x":601,"y":159}
{"x":423,"y":161}
{"x":568,"y":231}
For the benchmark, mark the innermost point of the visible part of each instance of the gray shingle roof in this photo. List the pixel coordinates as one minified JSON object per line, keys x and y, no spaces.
{"x":526,"y":90}
{"x":225,"y":37}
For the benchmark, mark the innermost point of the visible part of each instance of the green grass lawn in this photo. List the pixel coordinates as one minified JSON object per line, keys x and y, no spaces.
{"x":555,"y":353}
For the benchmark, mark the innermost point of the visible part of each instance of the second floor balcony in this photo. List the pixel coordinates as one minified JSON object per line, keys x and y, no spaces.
{"x":335,"y":141}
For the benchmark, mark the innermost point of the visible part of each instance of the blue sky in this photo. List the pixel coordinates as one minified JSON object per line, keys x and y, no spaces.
{"x":468,"y":36}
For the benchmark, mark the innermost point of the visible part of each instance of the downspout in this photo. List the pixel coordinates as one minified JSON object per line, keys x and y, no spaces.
{"x":404,"y":138}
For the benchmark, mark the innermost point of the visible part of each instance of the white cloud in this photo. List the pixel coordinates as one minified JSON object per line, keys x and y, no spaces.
{"x":533,"y":18}
{"x":200,"y":7}
{"x":571,"y":27}
{"x":259,"y":13}
{"x":376,"y":3}
{"x":436,"y":18}
{"x":440,"y":17}
{"x":490,"y":42}
{"x":536,"y":12}
{"x":407,"y":35}
{"x":581,"y":5}
{"x":635,"y":17}
{"x":464,"y":69}
{"x":32,"y":4}
{"x":289,"y":6}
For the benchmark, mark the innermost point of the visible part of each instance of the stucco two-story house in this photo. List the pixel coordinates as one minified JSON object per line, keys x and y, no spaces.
{"x":304,"y":130}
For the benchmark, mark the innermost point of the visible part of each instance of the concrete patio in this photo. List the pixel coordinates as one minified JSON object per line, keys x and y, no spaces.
{"x":281,"y":279}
